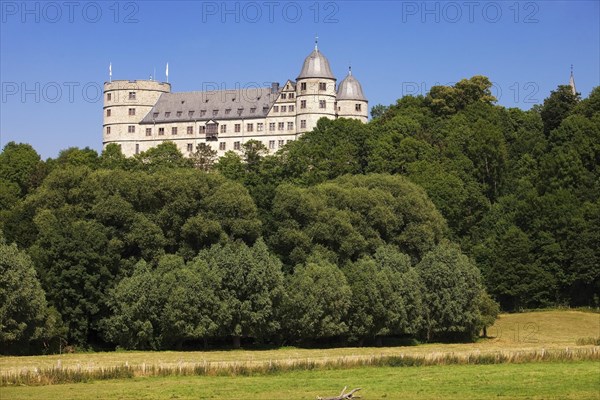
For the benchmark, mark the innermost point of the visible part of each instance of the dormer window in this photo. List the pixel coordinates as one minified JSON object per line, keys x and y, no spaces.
{"x":227,"y":111}
{"x":179,"y":113}
{"x":215,"y":112}
{"x":253,"y":110}
{"x":155,"y":115}
{"x":190,"y":113}
{"x":202,"y":113}
{"x":167,"y":114}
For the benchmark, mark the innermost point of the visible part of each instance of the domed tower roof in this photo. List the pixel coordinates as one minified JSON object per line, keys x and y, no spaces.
{"x":350,"y":89}
{"x":316,"y":65}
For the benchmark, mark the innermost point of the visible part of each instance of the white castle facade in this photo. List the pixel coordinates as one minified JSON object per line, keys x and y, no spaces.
{"x":141,"y":114}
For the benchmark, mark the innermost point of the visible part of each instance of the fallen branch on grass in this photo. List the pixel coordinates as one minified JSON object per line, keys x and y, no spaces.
{"x":343,"y":395}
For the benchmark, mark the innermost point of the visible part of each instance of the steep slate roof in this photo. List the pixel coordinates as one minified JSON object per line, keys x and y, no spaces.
{"x":350,"y":89}
{"x":316,"y":65}
{"x":188,"y":106}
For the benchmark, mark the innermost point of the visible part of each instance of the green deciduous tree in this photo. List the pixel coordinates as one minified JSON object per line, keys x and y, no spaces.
{"x":251,"y":287}
{"x":452,"y":288}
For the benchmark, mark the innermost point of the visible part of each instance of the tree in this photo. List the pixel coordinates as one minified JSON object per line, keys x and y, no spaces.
{"x":452,"y":288}
{"x":251,"y":286}
{"x":136,"y":310}
{"x":253,"y":151}
{"x":557,"y":107}
{"x":352,"y":216}
{"x":18,"y":164}
{"x":230,"y":165}
{"x":317,"y":302}
{"x":204,"y":157}
{"x":378,"y":110}
{"x":23,"y":308}
{"x":164,"y":156}
{"x":489,"y":311}
{"x":112,"y":157}
{"x":77,"y":157}
{"x":448,"y":100}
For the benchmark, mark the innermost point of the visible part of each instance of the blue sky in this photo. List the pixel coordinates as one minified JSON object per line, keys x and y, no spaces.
{"x":54,"y":56}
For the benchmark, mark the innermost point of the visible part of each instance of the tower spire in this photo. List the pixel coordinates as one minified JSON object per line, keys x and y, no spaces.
{"x":572,"y":82}
{"x":316,"y":43}
{"x":350,"y":69}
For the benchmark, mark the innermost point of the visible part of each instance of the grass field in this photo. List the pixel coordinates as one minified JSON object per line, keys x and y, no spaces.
{"x":578,"y":380}
{"x":512,"y":334}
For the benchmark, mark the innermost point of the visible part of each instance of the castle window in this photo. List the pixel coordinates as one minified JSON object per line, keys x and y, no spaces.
{"x":303,"y":86}
{"x":322,"y":86}
{"x":131,"y":95}
{"x":222,"y":146}
{"x":322,"y":104}
{"x":223,"y":128}
{"x":271,"y":126}
{"x":131,"y":129}
{"x":190,"y":147}
{"x":259,"y":126}
{"x":108,"y":96}
{"x":202,"y":129}
{"x":108,"y":111}
{"x":302,"y":103}
{"x":357,"y":107}
{"x":148,"y":131}
{"x":179,"y":113}
{"x":137,"y":148}
{"x":249,"y":127}
{"x":167,"y":114}
{"x":302,"y":124}
{"x":280,"y":126}
{"x":190,"y":130}
{"x":280,"y":143}
{"x":227,"y":111}
{"x":275,"y":108}
{"x":291,"y":96}
{"x":174,"y":130}
{"x":238,"y":128}
{"x":155,"y":115}
{"x":132,"y":111}
{"x":290,"y":126}
{"x":202,"y":113}
{"x":215,"y":112}
{"x":211,"y":129}
{"x":236,"y":145}
{"x":271,"y":144}
{"x":283,"y":108}
{"x":190,"y":113}
{"x":291,"y":108}
{"x":108,"y":130}
{"x":283,"y":96}
{"x":161,"y":131}
{"x":252,"y":110}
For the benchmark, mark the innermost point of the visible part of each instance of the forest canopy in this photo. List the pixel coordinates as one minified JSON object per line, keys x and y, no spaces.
{"x":410,"y":227}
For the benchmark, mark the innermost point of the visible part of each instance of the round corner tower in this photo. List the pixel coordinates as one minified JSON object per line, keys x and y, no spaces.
{"x":351,"y":101}
{"x":315,"y":92}
{"x":126,"y":103}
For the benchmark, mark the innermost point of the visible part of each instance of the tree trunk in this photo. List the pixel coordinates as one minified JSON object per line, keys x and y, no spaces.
{"x":237,"y":342}
{"x":485,"y":331}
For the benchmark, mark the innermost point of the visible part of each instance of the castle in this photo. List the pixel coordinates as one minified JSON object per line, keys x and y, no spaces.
{"x":141,"y":114}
